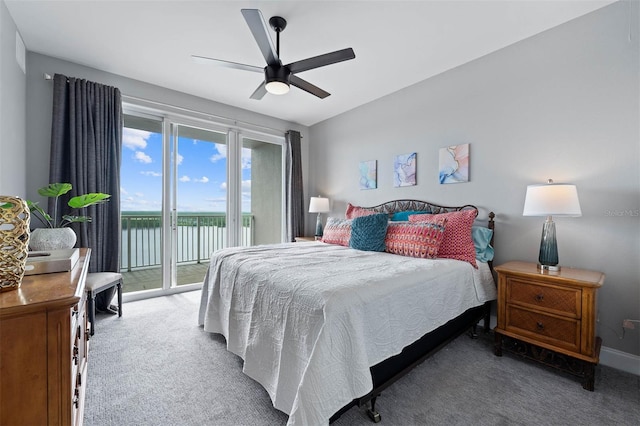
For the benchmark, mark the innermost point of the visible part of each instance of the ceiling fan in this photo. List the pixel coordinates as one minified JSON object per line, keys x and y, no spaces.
{"x":278,"y":77}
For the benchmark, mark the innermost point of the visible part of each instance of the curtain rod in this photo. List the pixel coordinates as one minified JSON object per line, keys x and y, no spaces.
{"x":49,"y":77}
{"x":209,"y":116}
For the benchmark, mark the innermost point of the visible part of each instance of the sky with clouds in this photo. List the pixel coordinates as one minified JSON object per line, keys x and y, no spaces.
{"x":202,"y":176}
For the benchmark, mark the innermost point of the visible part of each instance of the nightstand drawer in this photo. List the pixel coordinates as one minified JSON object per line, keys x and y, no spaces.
{"x":559,"y":300}
{"x":560,"y":332}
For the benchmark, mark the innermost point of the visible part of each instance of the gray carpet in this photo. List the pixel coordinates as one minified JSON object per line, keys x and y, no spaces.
{"x":155,"y":366}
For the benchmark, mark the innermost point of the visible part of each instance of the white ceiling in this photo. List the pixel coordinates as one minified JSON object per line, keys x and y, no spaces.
{"x":397,"y":43}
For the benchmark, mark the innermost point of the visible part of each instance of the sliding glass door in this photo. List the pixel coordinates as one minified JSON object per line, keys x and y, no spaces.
{"x":190,"y":188}
{"x":198,"y":200}
{"x":141,"y":193}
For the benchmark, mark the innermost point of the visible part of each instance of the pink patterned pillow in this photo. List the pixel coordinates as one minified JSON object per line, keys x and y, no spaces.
{"x":337,"y":231}
{"x":356,"y":211}
{"x":415,"y":239}
{"x":457,"y":242}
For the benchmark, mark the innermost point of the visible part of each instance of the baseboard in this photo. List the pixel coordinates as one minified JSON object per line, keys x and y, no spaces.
{"x":148,"y":294}
{"x":620,"y":360}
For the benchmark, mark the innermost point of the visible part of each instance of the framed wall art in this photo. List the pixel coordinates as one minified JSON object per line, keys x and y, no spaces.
{"x":404,"y":170}
{"x":454,"y":164}
{"x":369,"y":174}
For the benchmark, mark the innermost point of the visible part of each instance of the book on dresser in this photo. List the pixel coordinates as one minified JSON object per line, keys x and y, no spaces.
{"x":44,"y":348}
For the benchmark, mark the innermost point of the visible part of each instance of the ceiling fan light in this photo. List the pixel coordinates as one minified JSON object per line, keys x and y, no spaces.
{"x":277,"y":87}
{"x":277,"y":79}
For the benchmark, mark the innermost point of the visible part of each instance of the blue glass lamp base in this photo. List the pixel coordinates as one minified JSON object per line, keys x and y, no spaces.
{"x":548,"y":248}
{"x":319,"y":226}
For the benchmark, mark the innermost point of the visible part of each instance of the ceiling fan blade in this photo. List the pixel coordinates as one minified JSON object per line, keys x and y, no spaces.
{"x":259,"y":92}
{"x":228,"y":64}
{"x":260,"y":32}
{"x":308,"y":87}
{"x":322,"y":60}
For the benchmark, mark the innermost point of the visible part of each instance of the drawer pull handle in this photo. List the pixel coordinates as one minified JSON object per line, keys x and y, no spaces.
{"x":539,"y":326}
{"x":539,"y":297}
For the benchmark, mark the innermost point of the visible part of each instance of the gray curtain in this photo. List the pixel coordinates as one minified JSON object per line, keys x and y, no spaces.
{"x":294,"y":188}
{"x":86,"y":141}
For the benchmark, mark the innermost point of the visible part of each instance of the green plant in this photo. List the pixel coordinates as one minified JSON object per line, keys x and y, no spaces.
{"x":55,"y":190}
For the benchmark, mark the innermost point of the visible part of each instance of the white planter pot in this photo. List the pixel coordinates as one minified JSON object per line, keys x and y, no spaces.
{"x":43,"y":239}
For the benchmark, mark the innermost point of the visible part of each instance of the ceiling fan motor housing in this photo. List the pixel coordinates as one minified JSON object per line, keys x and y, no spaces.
{"x":280,"y":74}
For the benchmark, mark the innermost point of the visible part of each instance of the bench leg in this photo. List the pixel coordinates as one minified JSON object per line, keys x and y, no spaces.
{"x":119,"y":288}
{"x":91,"y":303}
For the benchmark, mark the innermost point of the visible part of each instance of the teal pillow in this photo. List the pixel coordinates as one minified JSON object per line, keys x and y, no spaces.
{"x":404,"y":216}
{"x":481,"y":240}
{"x":368,"y":232}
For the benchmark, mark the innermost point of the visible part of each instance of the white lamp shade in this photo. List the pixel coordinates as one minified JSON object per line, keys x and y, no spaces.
{"x":319,"y":205}
{"x":552,"y":199}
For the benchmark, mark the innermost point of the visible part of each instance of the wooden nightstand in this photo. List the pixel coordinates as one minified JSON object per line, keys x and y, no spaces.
{"x":305,"y":239}
{"x":549,"y":317}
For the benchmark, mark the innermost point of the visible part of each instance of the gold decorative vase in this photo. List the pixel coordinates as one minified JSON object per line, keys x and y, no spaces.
{"x":14,"y":241}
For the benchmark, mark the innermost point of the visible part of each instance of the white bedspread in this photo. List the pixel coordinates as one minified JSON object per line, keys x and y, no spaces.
{"x":309,"y":319}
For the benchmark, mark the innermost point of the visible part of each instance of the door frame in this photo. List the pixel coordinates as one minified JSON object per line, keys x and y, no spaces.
{"x":236,"y":132}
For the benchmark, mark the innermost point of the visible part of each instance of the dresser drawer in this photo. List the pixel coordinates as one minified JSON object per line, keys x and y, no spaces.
{"x":560,"y":332}
{"x":558,"y":300}
{"x":78,"y":359}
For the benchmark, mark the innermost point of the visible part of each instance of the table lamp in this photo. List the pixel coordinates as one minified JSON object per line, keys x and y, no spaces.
{"x":319,"y":205}
{"x":551,"y":199}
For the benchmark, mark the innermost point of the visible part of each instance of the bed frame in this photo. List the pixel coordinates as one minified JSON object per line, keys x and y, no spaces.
{"x":387,"y":372}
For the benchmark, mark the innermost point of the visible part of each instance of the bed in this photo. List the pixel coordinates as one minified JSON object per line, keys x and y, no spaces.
{"x":324,"y":327}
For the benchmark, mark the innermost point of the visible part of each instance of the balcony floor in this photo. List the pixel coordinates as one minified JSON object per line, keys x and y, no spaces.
{"x":150,"y":278}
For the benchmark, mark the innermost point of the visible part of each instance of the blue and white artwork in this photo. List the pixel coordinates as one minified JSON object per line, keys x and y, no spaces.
{"x":404,"y":170}
{"x":368,"y":174}
{"x":454,"y":164}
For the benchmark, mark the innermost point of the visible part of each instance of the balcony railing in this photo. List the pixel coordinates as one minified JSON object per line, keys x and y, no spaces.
{"x":198,"y":235}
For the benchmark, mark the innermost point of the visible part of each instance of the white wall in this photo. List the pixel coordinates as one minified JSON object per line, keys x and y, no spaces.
{"x":39,"y":106}
{"x":563,"y":105}
{"x":12,"y":111}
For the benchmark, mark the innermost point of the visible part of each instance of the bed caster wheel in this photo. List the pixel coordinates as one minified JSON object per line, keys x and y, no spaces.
{"x":374,"y":416}
{"x":473,"y":332}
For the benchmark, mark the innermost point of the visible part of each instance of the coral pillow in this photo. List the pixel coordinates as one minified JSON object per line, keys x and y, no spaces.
{"x":337,"y":231}
{"x":356,"y":211}
{"x":415,"y":239}
{"x":457,"y":242}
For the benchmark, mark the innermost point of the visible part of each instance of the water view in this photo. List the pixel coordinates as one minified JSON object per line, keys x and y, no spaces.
{"x":198,"y":235}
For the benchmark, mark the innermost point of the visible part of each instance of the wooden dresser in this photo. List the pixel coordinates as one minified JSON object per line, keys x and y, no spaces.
{"x":549,"y":317}
{"x":43,"y":348}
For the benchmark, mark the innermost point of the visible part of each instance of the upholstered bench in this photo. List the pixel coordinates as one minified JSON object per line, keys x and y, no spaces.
{"x":97,"y":282}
